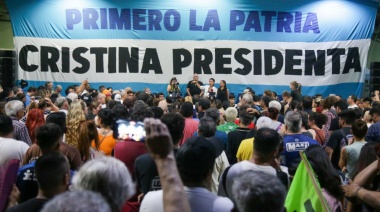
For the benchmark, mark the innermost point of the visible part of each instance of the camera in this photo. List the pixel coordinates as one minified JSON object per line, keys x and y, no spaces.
{"x":129,"y":130}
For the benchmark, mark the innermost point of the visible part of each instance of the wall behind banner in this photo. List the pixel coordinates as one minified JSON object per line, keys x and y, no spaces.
{"x":309,"y":90}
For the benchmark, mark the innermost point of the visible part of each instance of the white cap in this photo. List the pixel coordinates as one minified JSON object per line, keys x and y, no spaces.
{"x":263,"y":122}
{"x":72,"y":96}
{"x":117,"y":97}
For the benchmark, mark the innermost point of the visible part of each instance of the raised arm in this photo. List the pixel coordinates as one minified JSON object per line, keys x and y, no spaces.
{"x":82,"y":86}
{"x":160,"y":147}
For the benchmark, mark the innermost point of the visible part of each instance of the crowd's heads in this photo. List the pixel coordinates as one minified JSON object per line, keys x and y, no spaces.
{"x":305,"y":119}
{"x":347,"y":117}
{"x":195,"y":160}
{"x":52,"y":173}
{"x":128,"y":103}
{"x":120,"y":111}
{"x":275,"y":104}
{"x":79,"y":201}
{"x":294,"y":85}
{"x":157,"y":112}
{"x":375,"y":114}
{"x":214,"y":114}
{"x":258,"y":191}
{"x":293,"y":122}
{"x":263,"y":122}
{"x":48,"y":137}
{"x":72,"y":96}
{"x":87,"y":133}
{"x":204,"y":103}
{"x":175,"y":124}
{"x":6,"y":126}
{"x":352,"y":99}
{"x":231,"y":114}
{"x":266,"y":143}
{"x":60,"y":102}
{"x":307,"y":102}
{"x":206,"y":127}
{"x":106,"y":117}
{"x":329,"y":102}
{"x":285,"y":94}
{"x":14,"y":108}
{"x":273,"y":113}
{"x":34,"y":120}
{"x":318,"y":119}
{"x":245,"y":117}
{"x":187,"y":109}
{"x":359,"y":129}
{"x":107,"y":176}
{"x":340,"y":105}
{"x":247,"y":98}
{"x":58,"y":118}
{"x":265,"y":101}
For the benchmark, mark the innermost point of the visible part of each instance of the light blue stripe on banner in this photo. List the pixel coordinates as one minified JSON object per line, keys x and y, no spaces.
{"x":336,"y":20}
{"x":343,"y":89}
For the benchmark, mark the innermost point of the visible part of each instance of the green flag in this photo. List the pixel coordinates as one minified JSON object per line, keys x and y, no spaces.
{"x":305,"y":193}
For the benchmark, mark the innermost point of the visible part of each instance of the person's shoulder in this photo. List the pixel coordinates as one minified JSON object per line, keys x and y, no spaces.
{"x":66,"y":146}
{"x":223,"y":204}
{"x":375,"y":125}
{"x":246,"y":142}
{"x":27,"y":166}
{"x":143,"y":158}
{"x":30,"y":205}
{"x":152,"y":202}
{"x":336,"y":133}
{"x":13,"y":142}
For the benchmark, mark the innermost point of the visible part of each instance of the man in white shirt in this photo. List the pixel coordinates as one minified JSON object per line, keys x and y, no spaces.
{"x":195,"y":162}
{"x":9,"y":147}
{"x":351,"y":100}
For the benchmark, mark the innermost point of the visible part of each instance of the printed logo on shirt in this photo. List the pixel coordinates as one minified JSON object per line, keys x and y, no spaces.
{"x":156,"y":183}
{"x":296,"y":146}
{"x":29,"y":176}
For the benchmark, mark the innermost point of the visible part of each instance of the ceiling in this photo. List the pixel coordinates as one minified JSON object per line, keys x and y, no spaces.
{"x":4,"y":16}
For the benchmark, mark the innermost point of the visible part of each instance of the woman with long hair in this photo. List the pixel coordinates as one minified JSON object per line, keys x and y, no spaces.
{"x":296,"y":92}
{"x":74,"y":116}
{"x":34,"y":120}
{"x":368,"y":155}
{"x":87,"y":133}
{"x":223,"y":92}
{"x":106,"y":140}
{"x":332,"y":117}
{"x":316,"y":122}
{"x":327,"y":176}
{"x":93,"y":110}
{"x":173,"y":87}
{"x":273,"y":114}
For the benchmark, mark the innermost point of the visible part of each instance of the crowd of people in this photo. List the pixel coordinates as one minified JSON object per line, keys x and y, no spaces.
{"x":81,"y":149}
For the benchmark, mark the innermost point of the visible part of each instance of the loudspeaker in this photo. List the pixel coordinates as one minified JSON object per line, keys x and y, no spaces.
{"x":7,"y":68}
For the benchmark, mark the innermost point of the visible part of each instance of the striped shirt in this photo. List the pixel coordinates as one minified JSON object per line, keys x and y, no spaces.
{"x":20,"y":132}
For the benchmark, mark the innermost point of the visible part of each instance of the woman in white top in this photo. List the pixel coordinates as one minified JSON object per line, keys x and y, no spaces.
{"x":210,"y":90}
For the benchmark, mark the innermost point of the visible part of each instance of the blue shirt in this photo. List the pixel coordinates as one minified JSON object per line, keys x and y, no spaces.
{"x":373,"y":133}
{"x":27,"y":182}
{"x":222,"y":136}
{"x":293,"y":144}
